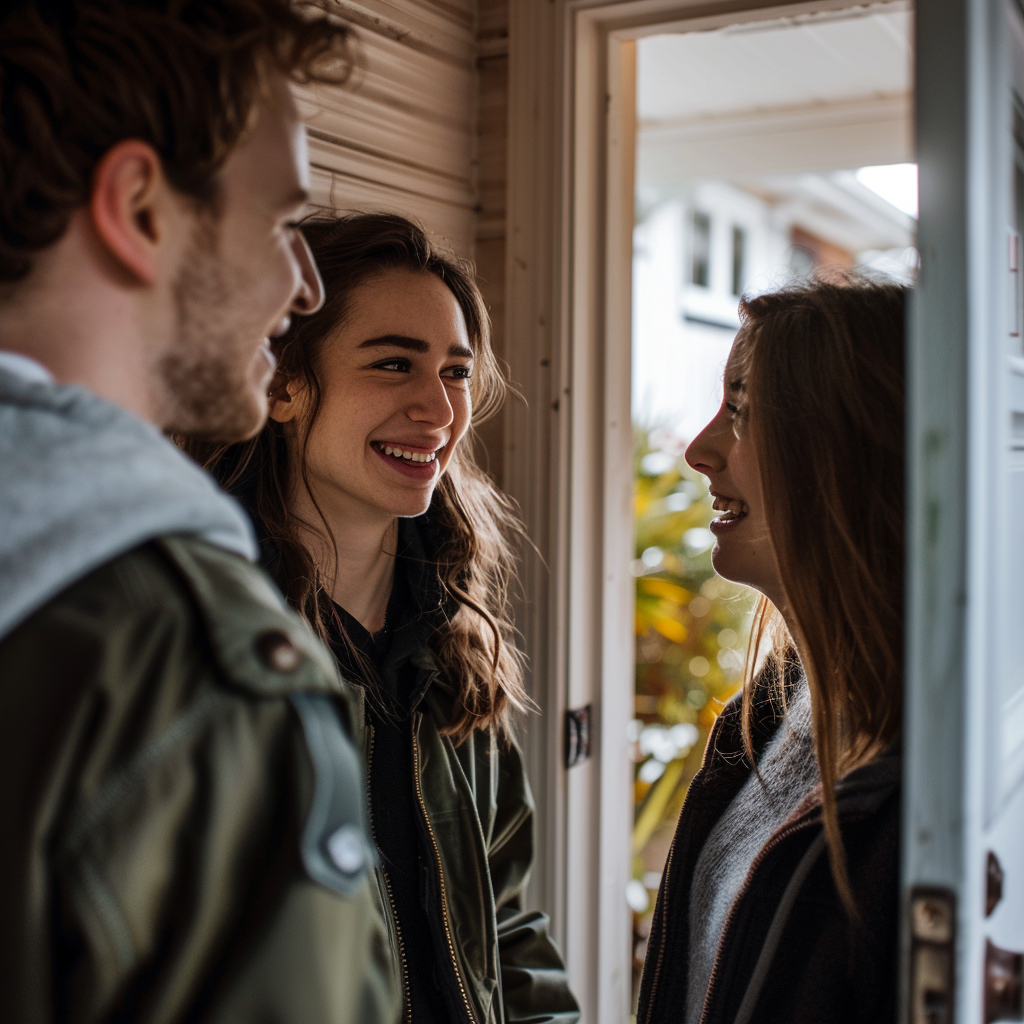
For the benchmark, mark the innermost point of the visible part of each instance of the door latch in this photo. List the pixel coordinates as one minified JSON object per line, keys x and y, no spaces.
{"x":932,"y":934}
{"x":993,"y":883}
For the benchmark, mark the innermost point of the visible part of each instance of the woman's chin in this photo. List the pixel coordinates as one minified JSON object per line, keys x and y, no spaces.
{"x":410,"y":506}
{"x":725,"y":566}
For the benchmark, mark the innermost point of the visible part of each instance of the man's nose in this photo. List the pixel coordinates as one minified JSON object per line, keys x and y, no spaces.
{"x":310,"y":296}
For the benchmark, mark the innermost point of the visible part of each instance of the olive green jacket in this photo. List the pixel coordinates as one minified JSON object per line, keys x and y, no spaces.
{"x":184,"y":833}
{"x":477,"y":819}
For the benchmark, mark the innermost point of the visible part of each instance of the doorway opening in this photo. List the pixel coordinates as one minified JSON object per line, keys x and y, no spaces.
{"x":766,"y":152}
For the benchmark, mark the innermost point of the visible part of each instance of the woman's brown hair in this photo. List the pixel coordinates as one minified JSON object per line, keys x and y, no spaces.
{"x":822,"y":372}
{"x":475,"y":564}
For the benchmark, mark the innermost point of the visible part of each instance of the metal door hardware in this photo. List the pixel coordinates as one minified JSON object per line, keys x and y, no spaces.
{"x":993,"y":882}
{"x":1014,"y":266}
{"x":1004,"y":984}
{"x":932,"y":933}
{"x":577,"y":736}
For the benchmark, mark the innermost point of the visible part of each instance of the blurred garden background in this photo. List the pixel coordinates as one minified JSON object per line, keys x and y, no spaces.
{"x":691,"y":633}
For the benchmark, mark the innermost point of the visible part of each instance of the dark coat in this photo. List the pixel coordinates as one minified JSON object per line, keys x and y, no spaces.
{"x":470,"y":818}
{"x":789,"y":953}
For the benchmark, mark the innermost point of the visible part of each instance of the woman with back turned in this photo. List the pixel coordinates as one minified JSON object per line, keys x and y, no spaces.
{"x":381,"y":530}
{"x":779,"y":899}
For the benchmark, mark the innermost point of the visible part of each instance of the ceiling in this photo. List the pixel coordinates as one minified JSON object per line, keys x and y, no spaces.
{"x":822,"y":92}
{"x":813,"y":61}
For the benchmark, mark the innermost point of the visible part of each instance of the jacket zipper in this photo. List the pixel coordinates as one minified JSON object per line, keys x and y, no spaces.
{"x":437,"y":860}
{"x":406,"y":998}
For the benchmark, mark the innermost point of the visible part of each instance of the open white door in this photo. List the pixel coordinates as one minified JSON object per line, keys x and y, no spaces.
{"x":963,"y":845}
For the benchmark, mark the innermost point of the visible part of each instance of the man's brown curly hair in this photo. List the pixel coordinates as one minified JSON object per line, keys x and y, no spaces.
{"x":79,"y":76}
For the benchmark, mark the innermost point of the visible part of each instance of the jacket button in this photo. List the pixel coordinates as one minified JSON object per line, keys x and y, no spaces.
{"x":277,"y":651}
{"x":347,"y":849}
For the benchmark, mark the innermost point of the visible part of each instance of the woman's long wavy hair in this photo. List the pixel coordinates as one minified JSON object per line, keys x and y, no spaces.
{"x":476,"y":566}
{"x":822,"y":368}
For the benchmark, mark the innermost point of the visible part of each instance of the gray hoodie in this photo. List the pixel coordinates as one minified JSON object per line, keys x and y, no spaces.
{"x":83,"y":481}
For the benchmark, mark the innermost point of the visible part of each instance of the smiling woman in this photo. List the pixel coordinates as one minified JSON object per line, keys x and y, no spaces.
{"x":780,"y":898}
{"x":395,"y":399}
{"x":381,"y":530}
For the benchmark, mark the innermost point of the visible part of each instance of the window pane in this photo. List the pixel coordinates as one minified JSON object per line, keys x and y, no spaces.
{"x":701,"y":249}
{"x":739,"y":250}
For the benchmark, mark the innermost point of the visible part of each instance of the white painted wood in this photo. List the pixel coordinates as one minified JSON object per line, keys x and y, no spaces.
{"x":963,"y":793}
{"x":808,"y":138}
{"x":861,"y":53}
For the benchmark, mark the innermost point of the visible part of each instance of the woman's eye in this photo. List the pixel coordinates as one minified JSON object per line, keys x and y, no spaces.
{"x":461,"y":372}
{"x":733,"y":408}
{"x":395,"y":365}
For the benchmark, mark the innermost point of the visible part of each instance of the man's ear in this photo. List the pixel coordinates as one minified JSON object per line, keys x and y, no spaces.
{"x":128,"y":207}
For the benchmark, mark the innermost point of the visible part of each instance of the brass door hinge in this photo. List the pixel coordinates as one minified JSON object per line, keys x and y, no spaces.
{"x":932,"y":937}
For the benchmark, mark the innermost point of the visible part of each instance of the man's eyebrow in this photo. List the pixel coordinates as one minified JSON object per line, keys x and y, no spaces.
{"x":412,"y":345}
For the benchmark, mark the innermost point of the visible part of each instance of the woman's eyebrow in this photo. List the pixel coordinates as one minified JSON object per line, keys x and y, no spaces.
{"x":412,"y":345}
{"x":396,"y":341}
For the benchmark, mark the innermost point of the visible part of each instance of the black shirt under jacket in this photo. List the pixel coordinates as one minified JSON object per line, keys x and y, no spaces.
{"x":382,"y":663}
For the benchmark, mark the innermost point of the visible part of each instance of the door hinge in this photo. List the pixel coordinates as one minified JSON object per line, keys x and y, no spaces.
{"x":577,"y":735}
{"x":932,"y":937}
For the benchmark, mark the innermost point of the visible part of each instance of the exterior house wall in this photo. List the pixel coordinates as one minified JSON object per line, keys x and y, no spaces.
{"x":682,"y":332}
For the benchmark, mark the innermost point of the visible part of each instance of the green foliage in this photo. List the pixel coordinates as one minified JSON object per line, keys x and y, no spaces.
{"x":691,"y":632}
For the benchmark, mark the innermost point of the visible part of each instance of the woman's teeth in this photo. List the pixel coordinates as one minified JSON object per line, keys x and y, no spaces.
{"x":731,"y":508}
{"x":400,"y":453}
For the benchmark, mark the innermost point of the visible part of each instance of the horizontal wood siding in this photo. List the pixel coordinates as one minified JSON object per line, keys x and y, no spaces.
{"x":492,"y":175}
{"x":400,"y":135}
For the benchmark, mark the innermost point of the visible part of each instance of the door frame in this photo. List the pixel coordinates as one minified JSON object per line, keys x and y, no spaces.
{"x":956,"y":442}
{"x":568,"y":448}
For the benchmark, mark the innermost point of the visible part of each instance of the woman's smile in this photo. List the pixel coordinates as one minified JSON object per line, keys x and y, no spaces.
{"x":734,"y":511}
{"x":415,"y":461}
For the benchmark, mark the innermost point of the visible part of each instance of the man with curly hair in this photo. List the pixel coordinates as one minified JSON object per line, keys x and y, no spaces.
{"x":184,"y":824}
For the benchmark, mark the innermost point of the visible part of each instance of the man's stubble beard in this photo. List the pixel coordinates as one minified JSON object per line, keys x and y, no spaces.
{"x":208,"y":379}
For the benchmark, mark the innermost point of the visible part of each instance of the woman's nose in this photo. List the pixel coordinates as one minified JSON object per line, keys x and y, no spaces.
{"x":430,"y":404}
{"x":310,"y":296}
{"x":706,"y":453}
